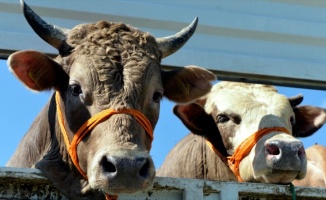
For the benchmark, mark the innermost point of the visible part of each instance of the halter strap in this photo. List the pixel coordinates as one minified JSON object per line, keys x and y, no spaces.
{"x":90,"y":124}
{"x":244,"y":149}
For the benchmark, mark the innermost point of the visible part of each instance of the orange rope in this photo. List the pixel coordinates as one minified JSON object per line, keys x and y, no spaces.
{"x":244,"y":149}
{"x":90,"y":124}
{"x":111,"y":197}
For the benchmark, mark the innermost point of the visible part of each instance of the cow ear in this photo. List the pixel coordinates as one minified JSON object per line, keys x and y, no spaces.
{"x":295,"y":100}
{"x":35,"y":69}
{"x":308,"y":120}
{"x":187,"y":84}
{"x":194,"y":117}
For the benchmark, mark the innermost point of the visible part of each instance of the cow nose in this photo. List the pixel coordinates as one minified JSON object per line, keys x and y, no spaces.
{"x":121,"y":171}
{"x":117,"y":167}
{"x":275,"y":149}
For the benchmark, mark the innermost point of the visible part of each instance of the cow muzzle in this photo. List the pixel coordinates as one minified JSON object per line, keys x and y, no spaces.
{"x":279,"y":162}
{"x":124,"y":171}
{"x":284,"y":155}
{"x":285,"y":160}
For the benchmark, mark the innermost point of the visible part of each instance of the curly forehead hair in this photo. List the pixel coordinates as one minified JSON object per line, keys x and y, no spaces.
{"x":110,"y":42}
{"x":111,"y":39}
{"x":113,"y":48}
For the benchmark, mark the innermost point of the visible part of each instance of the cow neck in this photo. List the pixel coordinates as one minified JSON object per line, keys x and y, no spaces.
{"x":90,"y":124}
{"x":233,"y":161}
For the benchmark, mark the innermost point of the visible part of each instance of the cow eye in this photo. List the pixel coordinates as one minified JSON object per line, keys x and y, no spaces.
{"x":75,"y":89}
{"x":292,"y":121}
{"x":157,"y":96}
{"x":222,"y":119}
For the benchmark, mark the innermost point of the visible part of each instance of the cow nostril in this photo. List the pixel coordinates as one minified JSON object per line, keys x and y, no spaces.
{"x":302,"y":153}
{"x":107,"y":165}
{"x":144,"y":170}
{"x":272,"y":149}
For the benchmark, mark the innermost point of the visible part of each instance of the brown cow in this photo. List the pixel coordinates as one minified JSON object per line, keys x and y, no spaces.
{"x":233,"y":112}
{"x":94,"y":135}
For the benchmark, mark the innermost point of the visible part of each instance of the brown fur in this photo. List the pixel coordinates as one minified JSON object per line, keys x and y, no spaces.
{"x":192,"y":158}
{"x":115,"y":50}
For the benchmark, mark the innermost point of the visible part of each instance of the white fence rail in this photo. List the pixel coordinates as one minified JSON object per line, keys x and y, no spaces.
{"x":18,"y":183}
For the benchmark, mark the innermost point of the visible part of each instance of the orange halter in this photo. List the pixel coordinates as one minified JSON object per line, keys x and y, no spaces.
{"x":244,"y":149}
{"x":90,"y":124}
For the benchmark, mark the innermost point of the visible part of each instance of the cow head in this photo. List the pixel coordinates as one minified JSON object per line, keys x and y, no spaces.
{"x":233,"y":112}
{"x":101,"y":66}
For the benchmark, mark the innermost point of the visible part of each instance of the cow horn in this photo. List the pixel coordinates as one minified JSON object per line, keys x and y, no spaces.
{"x":170,"y":44}
{"x":51,"y":34}
{"x":295,"y":100}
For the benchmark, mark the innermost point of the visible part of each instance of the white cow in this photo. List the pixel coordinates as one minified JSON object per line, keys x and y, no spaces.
{"x":251,"y":127}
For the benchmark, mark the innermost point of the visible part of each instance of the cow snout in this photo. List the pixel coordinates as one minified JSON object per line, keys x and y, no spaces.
{"x":286,"y":155}
{"x":116,"y":167}
{"x":122,"y":171}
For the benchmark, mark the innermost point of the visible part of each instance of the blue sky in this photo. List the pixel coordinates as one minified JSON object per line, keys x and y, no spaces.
{"x":19,"y":107}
